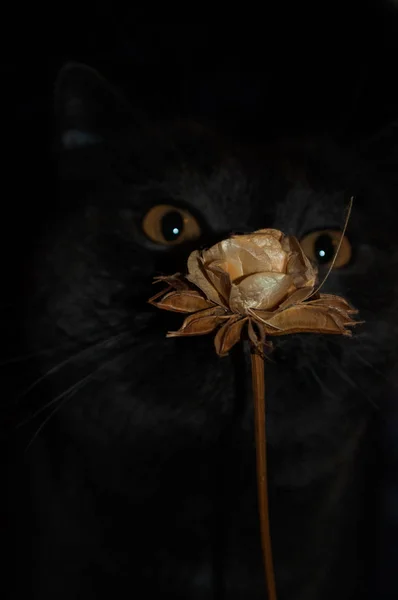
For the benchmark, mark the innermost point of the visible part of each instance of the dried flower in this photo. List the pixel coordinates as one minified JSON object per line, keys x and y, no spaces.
{"x":262,"y":280}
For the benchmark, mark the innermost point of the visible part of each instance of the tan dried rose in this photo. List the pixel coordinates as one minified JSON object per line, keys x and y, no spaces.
{"x":264,"y":280}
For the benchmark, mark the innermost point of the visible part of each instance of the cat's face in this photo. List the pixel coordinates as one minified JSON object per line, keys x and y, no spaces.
{"x":160,"y":417}
{"x":134,"y":201}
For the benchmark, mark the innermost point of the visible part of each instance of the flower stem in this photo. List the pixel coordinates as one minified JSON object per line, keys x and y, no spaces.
{"x":258,"y":379}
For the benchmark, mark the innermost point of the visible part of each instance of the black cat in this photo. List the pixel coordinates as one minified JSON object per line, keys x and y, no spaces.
{"x":144,"y":478}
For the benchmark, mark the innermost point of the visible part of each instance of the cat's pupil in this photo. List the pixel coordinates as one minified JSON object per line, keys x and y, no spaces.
{"x":324,"y":249}
{"x":172,"y":225}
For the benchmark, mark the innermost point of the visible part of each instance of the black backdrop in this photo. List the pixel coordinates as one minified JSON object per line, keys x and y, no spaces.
{"x":291,"y":68}
{"x":328,"y":68}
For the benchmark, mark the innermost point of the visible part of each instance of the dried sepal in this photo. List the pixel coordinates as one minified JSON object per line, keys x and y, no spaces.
{"x":333,"y":301}
{"x":176,"y":281}
{"x":186,"y":301}
{"x":256,"y":333}
{"x":264,"y":318}
{"x":155,"y":299}
{"x":228,"y":335}
{"x":295,"y":298}
{"x":200,"y":323}
{"x":305,"y":318}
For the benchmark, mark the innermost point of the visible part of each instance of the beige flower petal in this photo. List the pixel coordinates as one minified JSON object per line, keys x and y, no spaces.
{"x":220,"y":278}
{"x":214,"y":253}
{"x":243,"y":263}
{"x":273,"y":232}
{"x":256,"y":260}
{"x":298,"y":265}
{"x":240,"y":256}
{"x":264,"y":248}
{"x":229,"y":260}
{"x":231,"y":267}
{"x":197,"y":275}
{"x":261,"y":291}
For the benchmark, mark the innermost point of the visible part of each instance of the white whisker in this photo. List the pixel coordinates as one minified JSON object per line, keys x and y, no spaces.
{"x":64,"y":396}
{"x":81,"y":354}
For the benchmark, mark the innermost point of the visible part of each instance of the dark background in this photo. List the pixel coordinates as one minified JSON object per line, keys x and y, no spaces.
{"x":329,"y":68}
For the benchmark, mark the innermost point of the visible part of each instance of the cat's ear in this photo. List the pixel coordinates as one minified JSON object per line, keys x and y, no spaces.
{"x":88,"y":108}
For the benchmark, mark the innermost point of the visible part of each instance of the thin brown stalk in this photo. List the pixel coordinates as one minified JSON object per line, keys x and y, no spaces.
{"x":258,"y":379}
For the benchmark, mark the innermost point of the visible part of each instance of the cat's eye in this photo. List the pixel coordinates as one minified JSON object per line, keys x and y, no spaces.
{"x":321,"y":246}
{"x":169,"y":225}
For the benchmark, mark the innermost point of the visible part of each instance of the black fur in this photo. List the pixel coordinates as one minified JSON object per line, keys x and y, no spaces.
{"x":144,"y":477}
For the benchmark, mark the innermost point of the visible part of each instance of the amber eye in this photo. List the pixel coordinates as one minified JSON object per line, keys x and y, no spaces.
{"x":321,"y":246}
{"x":168,"y":225}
